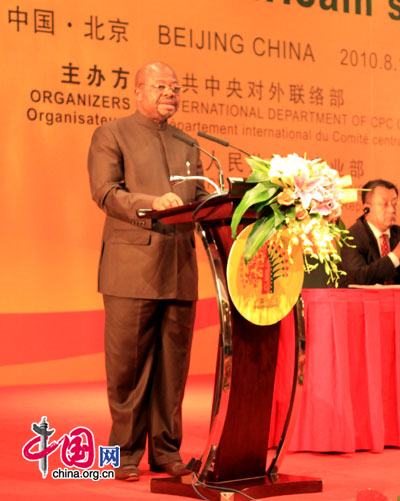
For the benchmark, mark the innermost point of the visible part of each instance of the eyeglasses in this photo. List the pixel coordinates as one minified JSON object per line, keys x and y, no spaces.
{"x":161,"y":88}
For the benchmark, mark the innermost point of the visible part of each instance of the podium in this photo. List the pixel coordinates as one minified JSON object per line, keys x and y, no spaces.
{"x":235,"y":455}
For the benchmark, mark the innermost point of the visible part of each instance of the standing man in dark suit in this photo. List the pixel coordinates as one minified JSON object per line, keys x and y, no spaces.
{"x":147,"y":274}
{"x":375,"y":258}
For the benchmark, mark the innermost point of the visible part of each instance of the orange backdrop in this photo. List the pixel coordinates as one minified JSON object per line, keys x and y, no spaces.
{"x":270,"y":76}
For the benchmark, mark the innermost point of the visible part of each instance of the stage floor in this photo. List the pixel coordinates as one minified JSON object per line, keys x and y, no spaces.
{"x":346,"y":477}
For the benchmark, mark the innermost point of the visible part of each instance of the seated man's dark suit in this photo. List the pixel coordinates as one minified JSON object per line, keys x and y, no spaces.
{"x":363,"y":263}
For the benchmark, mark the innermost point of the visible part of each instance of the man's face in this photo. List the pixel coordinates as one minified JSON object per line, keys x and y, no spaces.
{"x":382,"y":204}
{"x":157,"y":94}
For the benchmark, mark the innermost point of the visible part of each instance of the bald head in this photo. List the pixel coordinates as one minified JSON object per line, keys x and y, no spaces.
{"x":150,"y":69}
{"x":156,"y":91}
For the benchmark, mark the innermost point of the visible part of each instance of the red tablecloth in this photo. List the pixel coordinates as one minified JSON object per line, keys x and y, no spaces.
{"x":351,"y":392}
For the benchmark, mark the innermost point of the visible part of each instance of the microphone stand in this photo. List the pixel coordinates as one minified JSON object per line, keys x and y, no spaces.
{"x":193,"y":143}
{"x":222,"y":142}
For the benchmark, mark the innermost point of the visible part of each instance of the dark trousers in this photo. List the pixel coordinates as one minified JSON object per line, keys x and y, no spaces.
{"x":147,"y":347}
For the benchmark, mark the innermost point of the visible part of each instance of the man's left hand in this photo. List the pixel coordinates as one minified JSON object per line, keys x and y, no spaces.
{"x":167,"y":201}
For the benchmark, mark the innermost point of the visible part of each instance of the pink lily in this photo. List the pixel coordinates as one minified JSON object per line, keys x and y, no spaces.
{"x":308,"y":189}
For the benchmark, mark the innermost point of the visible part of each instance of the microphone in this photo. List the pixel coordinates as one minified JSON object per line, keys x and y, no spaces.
{"x":192,"y":142}
{"x":366,"y":210}
{"x":221,"y":141}
{"x":179,"y":179}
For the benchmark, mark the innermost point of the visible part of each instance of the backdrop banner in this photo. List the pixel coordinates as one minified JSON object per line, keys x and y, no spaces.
{"x":315,"y":77}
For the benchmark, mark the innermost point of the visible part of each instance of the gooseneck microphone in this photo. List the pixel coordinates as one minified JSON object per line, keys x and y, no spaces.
{"x":179,"y":179}
{"x":192,"y":142}
{"x":222,"y":142}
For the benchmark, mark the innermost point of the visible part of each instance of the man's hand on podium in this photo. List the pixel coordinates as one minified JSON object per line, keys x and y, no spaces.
{"x":167,"y":201}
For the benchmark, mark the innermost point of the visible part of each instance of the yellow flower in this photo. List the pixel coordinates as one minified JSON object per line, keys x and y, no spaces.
{"x":301,"y":213}
{"x":285,"y":198}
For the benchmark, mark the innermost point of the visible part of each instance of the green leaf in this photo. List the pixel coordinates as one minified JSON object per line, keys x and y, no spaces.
{"x":280,"y":216}
{"x":340,"y":224}
{"x":267,"y":211}
{"x":260,"y":170}
{"x":290,"y":212}
{"x":257,"y":176}
{"x":262,"y":231}
{"x":259,"y":193}
{"x":259,"y":163}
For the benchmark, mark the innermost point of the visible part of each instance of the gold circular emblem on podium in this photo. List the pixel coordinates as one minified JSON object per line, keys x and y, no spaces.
{"x":266,"y":289}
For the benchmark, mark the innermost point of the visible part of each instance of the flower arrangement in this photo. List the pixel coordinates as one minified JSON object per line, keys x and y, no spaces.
{"x":303,"y":197}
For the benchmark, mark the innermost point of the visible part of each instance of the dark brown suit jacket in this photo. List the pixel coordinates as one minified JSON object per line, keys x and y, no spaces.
{"x":364,"y":264}
{"x":130,"y":162}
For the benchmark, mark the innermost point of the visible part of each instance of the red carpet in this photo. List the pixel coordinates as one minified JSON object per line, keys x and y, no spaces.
{"x":358,"y":476}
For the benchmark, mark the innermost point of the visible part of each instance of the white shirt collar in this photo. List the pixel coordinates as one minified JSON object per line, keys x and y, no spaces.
{"x":377,"y":233}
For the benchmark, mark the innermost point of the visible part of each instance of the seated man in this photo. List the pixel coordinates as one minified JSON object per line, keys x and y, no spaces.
{"x":375,"y":258}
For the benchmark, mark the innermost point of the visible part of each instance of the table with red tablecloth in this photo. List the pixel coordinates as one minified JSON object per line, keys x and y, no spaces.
{"x":350,"y":398}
